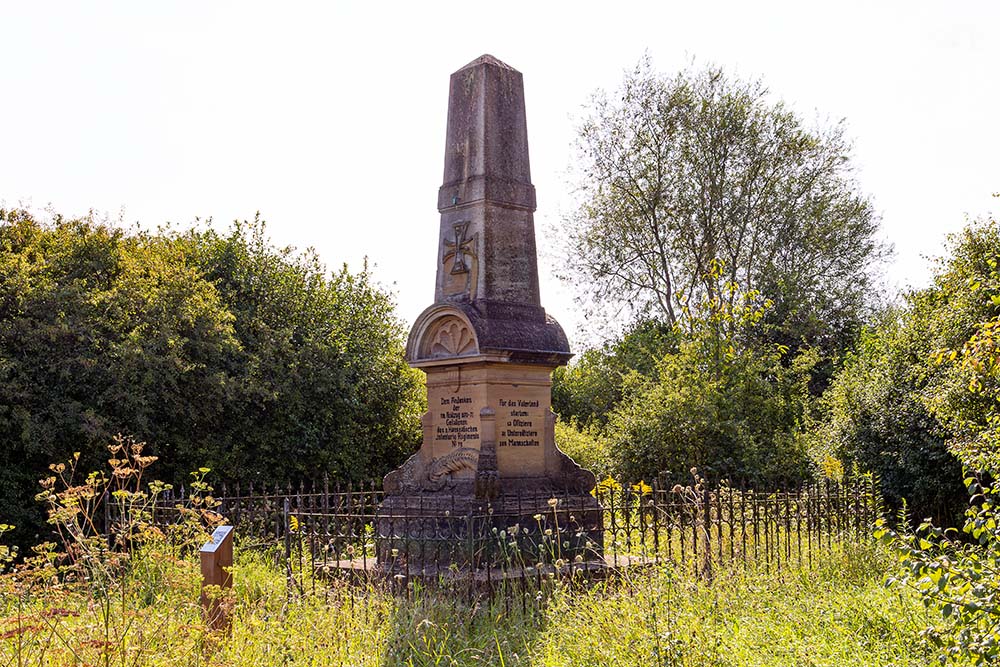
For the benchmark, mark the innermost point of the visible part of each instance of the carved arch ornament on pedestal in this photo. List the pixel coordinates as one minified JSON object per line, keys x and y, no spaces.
{"x":443,"y":335}
{"x":451,"y":337}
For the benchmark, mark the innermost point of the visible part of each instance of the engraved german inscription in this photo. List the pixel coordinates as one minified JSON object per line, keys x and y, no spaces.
{"x":455,"y":424}
{"x":520,"y":427}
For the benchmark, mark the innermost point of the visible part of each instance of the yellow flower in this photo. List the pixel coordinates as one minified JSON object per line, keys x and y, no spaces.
{"x":642,"y":487}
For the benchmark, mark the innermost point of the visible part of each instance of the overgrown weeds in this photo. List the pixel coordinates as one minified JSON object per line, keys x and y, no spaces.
{"x":128,"y":596}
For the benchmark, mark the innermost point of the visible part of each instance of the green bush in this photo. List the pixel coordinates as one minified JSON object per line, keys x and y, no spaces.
{"x":585,"y":445}
{"x":742,"y":421}
{"x":956,"y":577}
{"x":590,"y":388}
{"x":215,"y":349}
{"x":720,"y":401}
{"x":876,"y":419}
{"x":955,"y":574}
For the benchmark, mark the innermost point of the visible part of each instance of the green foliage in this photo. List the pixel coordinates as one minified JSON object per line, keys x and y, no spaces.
{"x":717,"y":403}
{"x":964,"y":315}
{"x":959,"y":577}
{"x":955,"y":577}
{"x":876,"y":418}
{"x":323,"y":383}
{"x":589,"y":389}
{"x":680,"y":173}
{"x":213,"y":349}
{"x":922,"y":384}
{"x":586,"y":445}
{"x":743,"y":422}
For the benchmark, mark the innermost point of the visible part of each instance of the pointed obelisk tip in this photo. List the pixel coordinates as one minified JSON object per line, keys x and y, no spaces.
{"x":487,"y":59}
{"x":486,"y":151}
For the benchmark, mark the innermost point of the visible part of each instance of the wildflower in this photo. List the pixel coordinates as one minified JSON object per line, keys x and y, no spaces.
{"x":560,"y":563}
{"x":553,"y":502}
{"x":642,"y":488}
{"x":537,"y":517}
{"x":394,"y":553}
{"x":548,"y":532}
{"x":579,"y":558}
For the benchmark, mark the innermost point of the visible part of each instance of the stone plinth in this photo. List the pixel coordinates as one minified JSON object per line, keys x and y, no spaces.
{"x":505,"y":406}
{"x":517,"y":528}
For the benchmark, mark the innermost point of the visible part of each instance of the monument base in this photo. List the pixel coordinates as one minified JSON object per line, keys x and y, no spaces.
{"x":519,"y":528}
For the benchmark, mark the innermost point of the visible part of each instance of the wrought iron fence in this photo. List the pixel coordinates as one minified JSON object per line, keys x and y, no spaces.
{"x":322,"y":532}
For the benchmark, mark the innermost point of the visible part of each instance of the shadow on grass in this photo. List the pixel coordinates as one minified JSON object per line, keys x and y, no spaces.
{"x":438,"y":623}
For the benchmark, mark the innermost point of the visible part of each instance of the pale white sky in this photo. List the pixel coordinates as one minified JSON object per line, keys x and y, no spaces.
{"x":329,"y":117}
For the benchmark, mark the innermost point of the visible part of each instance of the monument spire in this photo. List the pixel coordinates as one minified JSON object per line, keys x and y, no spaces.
{"x":487,"y":200}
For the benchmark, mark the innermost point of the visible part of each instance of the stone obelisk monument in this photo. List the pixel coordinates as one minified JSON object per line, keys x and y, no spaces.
{"x":486,"y":344}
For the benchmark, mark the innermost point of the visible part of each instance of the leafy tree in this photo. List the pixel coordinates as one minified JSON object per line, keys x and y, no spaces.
{"x":678,"y":175}
{"x":590,"y":388}
{"x":964,"y":317}
{"x":309,"y":339}
{"x":957,"y":574}
{"x":920,"y":387}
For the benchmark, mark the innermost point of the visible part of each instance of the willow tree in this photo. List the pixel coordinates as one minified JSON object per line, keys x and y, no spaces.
{"x":691,"y":184}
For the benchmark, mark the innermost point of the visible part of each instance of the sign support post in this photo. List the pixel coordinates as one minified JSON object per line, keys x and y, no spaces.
{"x":216,"y":564}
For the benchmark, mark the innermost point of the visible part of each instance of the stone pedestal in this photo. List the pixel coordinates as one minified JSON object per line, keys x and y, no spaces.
{"x":504,"y":405}
{"x":488,"y":462}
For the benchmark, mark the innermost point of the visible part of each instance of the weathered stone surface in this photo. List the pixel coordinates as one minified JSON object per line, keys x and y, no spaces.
{"x":517,"y":400}
{"x":487,"y":260}
{"x":488,"y":455}
{"x":492,"y":330}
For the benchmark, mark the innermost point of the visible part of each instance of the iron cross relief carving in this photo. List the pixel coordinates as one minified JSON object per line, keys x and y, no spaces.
{"x":459,"y":248}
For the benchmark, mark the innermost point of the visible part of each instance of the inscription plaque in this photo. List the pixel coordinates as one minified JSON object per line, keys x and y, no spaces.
{"x":521,"y":425}
{"x":458,"y":422}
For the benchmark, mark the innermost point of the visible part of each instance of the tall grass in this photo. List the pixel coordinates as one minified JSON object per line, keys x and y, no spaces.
{"x":134,"y":602}
{"x":839,"y":614}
